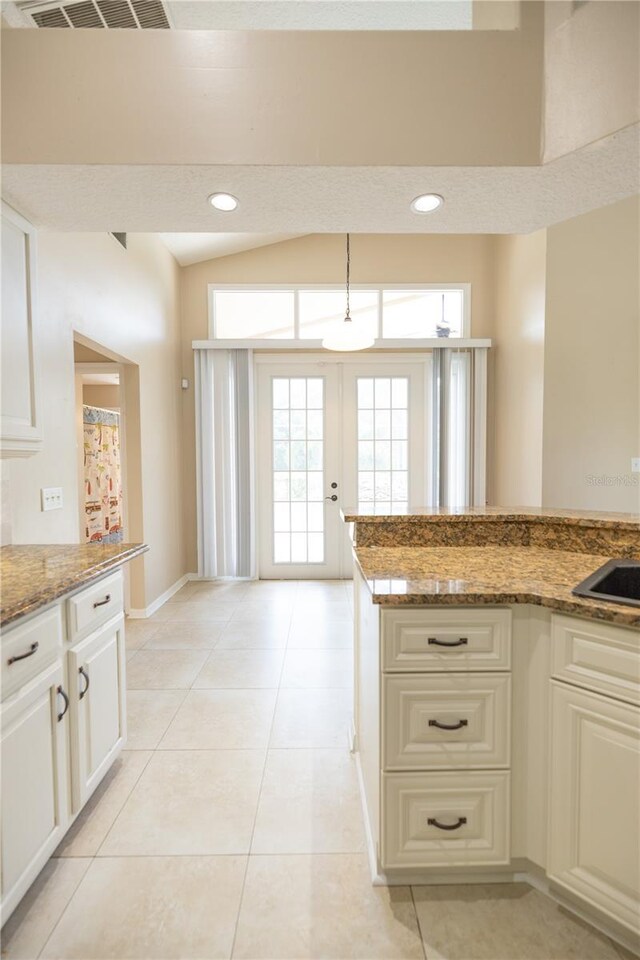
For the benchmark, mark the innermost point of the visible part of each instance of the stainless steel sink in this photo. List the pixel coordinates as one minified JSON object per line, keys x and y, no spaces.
{"x":617,"y":581}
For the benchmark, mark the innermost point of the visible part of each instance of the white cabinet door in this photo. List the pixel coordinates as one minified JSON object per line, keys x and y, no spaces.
{"x":34,"y":780}
{"x":20,"y":427}
{"x":594,"y":836}
{"x":98,"y":715}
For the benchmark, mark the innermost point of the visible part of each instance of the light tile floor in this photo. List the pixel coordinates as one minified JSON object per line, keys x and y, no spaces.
{"x":231,"y":825}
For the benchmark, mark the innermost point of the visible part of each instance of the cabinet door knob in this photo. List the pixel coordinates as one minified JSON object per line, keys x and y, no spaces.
{"x":23,"y":656}
{"x":66,"y":703}
{"x":446,"y":826}
{"x":449,"y":726}
{"x":85,"y":676}
{"x":460,"y":642}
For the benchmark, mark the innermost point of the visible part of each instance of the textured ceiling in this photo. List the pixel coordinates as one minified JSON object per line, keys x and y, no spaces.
{"x":302,"y":14}
{"x":193,"y":247}
{"x":301,"y":200}
{"x":325,"y":15}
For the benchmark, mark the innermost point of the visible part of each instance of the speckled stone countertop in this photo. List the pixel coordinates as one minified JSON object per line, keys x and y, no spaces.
{"x":534,"y":515}
{"x":36,"y":574}
{"x":571,"y":531}
{"x":489,"y":574}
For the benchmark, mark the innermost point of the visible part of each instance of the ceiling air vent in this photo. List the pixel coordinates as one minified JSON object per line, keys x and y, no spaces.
{"x":98,"y":14}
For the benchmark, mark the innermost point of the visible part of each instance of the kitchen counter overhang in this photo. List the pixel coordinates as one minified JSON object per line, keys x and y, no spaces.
{"x":494,"y":556}
{"x":34,"y":575}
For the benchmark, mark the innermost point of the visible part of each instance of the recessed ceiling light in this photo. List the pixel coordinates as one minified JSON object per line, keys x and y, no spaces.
{"x":427,"y":202}
{"x":223,"y":201}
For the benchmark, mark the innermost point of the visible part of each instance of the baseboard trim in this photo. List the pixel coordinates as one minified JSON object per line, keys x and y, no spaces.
{"x":194,"y":576}
{"x":142,"y":614}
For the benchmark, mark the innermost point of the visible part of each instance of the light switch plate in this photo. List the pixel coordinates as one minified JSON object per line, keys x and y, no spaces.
{"x":635,"y":464}
{"x":51,"y":498}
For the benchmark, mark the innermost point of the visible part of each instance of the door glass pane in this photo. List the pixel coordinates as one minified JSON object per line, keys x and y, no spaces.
{"x":298,"y":467}
{"x":383,"y":468}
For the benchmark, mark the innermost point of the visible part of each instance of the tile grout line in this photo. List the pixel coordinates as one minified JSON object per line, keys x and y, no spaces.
{"x":92,"y":860}
{"x":255,"y":817}
{"x":417,"y":916}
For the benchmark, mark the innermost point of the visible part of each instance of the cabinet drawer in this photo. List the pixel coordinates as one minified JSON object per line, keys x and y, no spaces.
{"x":599,"y":656}
{"x":95,"y":605}
{"x":29,"y":648}
{"x":419,"y":709}
{"x":474,"y":806}
{"x":435,"y":640}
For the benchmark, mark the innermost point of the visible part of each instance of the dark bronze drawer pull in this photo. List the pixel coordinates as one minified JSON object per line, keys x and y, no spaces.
{"x":23,"y":656}
{"x":446,"y":826}
{"x":83,"y":673}
{"x":66,"y":703}
{"x":449,"y":726}
{"x":462,"y":642}
{"x":101,"y":603}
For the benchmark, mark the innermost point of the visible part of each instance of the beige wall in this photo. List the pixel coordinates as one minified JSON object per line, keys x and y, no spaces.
{"x":376,"y":258}
{"x":128,"y":302}
{"x":105,"y":395}
{"x":270,"y":97}
{"x":591,"y":67}
{"x":592,"y":368}
{"x":518,"y":366}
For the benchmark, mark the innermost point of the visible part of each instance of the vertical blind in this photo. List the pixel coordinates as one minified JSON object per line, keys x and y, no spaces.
{"x":225,"y":463}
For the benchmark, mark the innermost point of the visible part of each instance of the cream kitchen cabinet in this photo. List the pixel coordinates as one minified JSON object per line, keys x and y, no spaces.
{"x":593,"y":837}
{"x":594,"y":813}
{"x":34,"y":780}
{"x":98,"y":707}
{"x":20,"y":419}
{"x":498,"y":743}
{"x":63,"y":724}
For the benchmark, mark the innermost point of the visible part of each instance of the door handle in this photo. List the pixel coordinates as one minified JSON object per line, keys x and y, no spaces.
{"x":85,"y":676}
{"x":101,"y":603}
{"x":23,"y":656}
{"x":461,"y":642}
{"x":449,"y":726}
{"x":333,"y":497}
{"x":66,"y":703}
{"x":446,"y":826}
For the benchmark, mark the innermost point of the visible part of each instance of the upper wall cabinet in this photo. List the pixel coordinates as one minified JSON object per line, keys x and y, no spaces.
{"x":20,"y":423}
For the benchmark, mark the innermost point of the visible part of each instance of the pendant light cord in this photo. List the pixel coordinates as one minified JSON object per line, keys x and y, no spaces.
{"x":347,"y":315}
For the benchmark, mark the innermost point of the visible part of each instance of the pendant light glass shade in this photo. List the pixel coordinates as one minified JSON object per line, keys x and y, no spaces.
{"x":346,"y":336}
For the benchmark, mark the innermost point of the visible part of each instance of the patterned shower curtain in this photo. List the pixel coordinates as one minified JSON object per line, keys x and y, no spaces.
{"x":102,"y":475}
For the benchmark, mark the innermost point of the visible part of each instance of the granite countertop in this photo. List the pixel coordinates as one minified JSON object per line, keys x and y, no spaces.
{"x":489,"y":574}
{"x":36,"y":574}
{"x":535,"y":515}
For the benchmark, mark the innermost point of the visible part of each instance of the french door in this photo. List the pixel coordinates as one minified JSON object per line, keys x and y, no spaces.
{"x":348,"y":434}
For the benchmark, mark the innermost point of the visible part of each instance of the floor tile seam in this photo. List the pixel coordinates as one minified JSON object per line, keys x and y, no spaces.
{"x":124,"y":802}
{"x":69,"y":901}
{"x":418,"y":924}
{"x":172,"y":718}
{"x":255,"y":817}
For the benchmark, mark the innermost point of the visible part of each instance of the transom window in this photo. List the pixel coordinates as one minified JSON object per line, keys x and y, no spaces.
{"x":309,"y":313}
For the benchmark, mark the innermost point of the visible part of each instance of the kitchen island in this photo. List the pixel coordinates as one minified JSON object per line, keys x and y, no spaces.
{"x":497,"y":715}
{"x":63,"y":694}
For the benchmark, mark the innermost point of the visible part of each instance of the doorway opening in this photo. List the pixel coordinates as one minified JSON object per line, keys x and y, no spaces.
{"x":109,"y":483}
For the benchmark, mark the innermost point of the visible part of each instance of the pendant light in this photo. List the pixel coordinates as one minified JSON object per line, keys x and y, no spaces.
{"x":346,"y":336}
